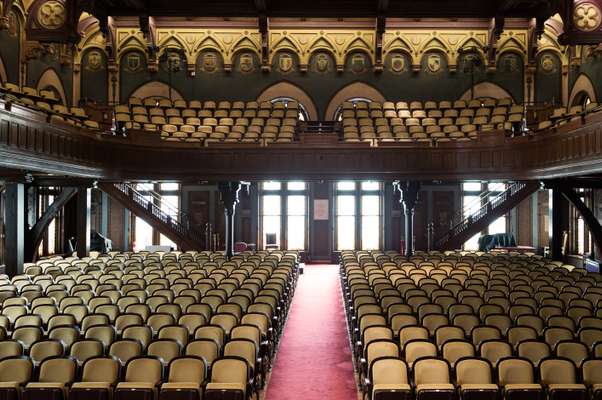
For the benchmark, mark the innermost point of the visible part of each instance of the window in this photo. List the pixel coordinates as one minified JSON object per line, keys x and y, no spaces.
{"x":302,"y":115}
{"x":167,"y":197}
{"x":283,"y":220}
{"x":475,"y":195}
{"x":358,"y":215}
{"x":338,"y":114}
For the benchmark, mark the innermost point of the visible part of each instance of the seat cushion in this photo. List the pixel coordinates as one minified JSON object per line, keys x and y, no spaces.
{"x":595,"y":388}
{"x":523,"y":386}
{"x":575,"y":386}
{"x":391,"y":387}
{"x":225,"y":386}
{"x":45,"y":385}
{"x":488,"y":387}
{"x":9,"y":385}
{"x":181,"y":386}
{"x":91,"y":386}
{"x":135,"y":386}
{"x":434,"y":387}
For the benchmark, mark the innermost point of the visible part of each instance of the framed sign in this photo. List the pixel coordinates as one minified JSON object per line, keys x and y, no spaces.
{"x":321,"y":209}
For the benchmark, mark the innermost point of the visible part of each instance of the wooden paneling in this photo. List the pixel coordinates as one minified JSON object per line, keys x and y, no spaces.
{"x":321,"y":241}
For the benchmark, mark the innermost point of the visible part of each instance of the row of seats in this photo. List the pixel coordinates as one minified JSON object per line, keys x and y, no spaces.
{"x":197,"y":122}
{"x":562,"y":115}
{"x":445,"y":121}
{"x":143,"y":377}
{"x":47,"y":102}
{"x":453,"y":310}
{"x":150,"y":310}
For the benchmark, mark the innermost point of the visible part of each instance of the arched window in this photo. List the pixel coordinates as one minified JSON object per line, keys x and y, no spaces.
{"x":302,"y":116}
{"x":338,"y":115}
{"x":582,"y":99}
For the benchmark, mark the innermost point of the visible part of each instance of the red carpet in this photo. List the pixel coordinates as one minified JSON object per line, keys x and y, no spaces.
{"x":314,"y":360}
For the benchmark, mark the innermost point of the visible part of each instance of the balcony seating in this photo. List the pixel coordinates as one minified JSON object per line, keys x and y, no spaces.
{"x":442,"y":121}
{"x":45,"y":101}
{"x":211,"y":122}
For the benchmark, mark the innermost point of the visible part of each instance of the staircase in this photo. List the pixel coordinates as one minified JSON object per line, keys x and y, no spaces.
{"x":488,"y":212}
{"x":174,"y":225}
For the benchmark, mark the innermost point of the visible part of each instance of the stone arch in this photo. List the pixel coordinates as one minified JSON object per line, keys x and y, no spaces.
{"x":52,"y":79}
{"x":287,"y":89}
{"x":487,"y":89}
{"x":156,"y":89}
{"x":583,"y":85}
{"x":355,"y":89}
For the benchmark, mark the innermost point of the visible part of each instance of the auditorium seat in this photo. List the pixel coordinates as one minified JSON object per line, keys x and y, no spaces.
{"x":536,"y":310}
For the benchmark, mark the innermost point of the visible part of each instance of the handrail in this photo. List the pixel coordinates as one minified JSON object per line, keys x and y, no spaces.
{"x":182,"y":227}
{"x":478,"y":201}
{"x":492,"y":204}
{"x":165,"y":206}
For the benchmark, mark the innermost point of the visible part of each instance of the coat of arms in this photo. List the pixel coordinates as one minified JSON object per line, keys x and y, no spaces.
{"x":245,"y":63}
{"x":358,"y":63}
{"x":133,"y":62}
{"x":322,"y":63}
{"x":209,"y":62}
{"x":398,"y":63}
{"x":285,"y":63}
{"x":433,"y":63}
{"x":547,"y":64}
{"x":94,"y":61}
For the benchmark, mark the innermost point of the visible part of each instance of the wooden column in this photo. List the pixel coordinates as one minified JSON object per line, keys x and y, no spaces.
{"x":229,"y":198}
{"x":14,"y":228}
{"x":559,"y":223}
{"x":84,"y":203}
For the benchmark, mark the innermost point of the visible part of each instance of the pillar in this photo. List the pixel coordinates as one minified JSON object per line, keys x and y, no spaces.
{"x":558,"y":211}
{"x":229,"y":197}
{"x":14,"y":228}
{"x":409,"y":197}
{"x":84,"y":203}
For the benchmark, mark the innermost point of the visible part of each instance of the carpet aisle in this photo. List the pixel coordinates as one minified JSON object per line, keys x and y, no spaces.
{"x":314,"y":360}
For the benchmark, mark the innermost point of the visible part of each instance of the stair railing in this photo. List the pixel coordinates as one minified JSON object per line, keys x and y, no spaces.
{"x":179,"y":225}
{"x":487,"y":207}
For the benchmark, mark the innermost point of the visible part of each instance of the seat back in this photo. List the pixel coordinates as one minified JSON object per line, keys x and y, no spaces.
{"x":389,"y":371}
{"x":143,"y":369}
{"x":187,"y":369}
{"x":557,"y":371}
{"x":512,"y":371}
{"x":229,"y":370}
{"x":58,"y":370}
{"x":473,"y":371}
{"x":17,"y":369}
{"x":431,"y":371}
{"x":101,"y":369}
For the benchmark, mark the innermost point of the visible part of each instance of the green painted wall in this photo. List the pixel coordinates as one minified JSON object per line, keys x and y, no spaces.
{"x":94,"y":76}
{"x":10,"y":48}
